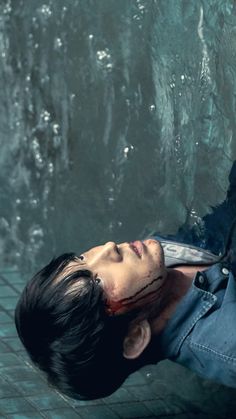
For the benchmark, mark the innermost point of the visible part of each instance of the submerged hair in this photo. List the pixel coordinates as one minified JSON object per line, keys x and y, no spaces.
{"x":68,"y":333}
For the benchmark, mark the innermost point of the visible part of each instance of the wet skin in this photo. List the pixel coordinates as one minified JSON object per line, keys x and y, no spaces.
{"x":131,"y":274}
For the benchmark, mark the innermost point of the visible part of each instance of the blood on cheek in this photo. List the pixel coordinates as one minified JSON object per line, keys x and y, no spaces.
{"x":112,"y":307}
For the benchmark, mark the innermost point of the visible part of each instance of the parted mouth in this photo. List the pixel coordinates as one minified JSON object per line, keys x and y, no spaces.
{"x":137,"y":247}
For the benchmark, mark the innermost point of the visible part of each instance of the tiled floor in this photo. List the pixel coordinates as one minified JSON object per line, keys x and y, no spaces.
{"x":164,"y":391}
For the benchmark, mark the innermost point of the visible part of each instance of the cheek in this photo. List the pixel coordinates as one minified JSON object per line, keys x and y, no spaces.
{"x":144,"y":291}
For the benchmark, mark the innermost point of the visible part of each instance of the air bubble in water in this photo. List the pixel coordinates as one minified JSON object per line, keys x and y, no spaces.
{"x":152,"y":108}
{"x":58,"y":43}
{"x":45,"y":10}
{"x":50,"y":167}
{"x":91,"y":36}
{"x":56,"y":128}
{"x":127,"y":149}
{"x":104,"y":59}
{"x":102,"y":54}
{"x":33,"y":203}
{"x":45,"y":116}
{"x":7,"y":9}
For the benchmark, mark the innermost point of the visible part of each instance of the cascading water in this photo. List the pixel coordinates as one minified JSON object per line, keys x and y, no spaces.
{"x":117,"y":118}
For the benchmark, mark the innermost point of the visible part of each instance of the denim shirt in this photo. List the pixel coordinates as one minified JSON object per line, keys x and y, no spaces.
{"x":201,"y":334}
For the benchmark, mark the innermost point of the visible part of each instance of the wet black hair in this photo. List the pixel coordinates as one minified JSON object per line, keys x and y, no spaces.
{"x":69,"y":335}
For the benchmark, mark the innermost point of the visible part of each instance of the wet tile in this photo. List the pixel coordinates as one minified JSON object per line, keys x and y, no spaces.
{"x":8,"y":329}
{"x":19,"y":287}
{"x":80,"y":403}
{"x":163,"y":407}
{"x":14,"y":344}
{"x":48,"y":401}
{"x":135,"y":379}
{"x":8,"y":359}
{"x":26,"y":415}
{"x":131,"y":410}
{"x":97,"y":412}
{"x":19,"y":373}
{"x":3,"y":347}
{"x":8,"y":303}
{"x":121,"y":395}
{"x":4,"y":317}
{"x":32,"y":387}
{"x":7,"y":291}
{"x":13,"y":277}
{"x":62,"y":414}
{"x":14,"y":405}
{"x":7,"y":390}
{"x":142,"y":393}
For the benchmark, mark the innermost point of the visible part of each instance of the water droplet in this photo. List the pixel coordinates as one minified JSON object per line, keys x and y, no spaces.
{"x":7,"y":9}
{"x":33,"y":203}
{"x":127,"y":149}
{"x":58,"y":43}
{"x":104,"y":59}
{"x":152,"y":108}
{"x":45,"y":116}
{"x":45,"y":10}
{"x":102,"y":54}
{"x":56,"y":128}
{"x":50,"y":167}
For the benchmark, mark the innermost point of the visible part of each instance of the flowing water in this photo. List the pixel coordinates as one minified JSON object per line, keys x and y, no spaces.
{"x":117,"y":119}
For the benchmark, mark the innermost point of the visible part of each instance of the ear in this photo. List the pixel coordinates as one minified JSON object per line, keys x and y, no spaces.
{"x":137,"y":339}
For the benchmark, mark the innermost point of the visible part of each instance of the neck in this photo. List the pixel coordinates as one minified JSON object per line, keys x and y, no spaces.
{"x":177,"y":283}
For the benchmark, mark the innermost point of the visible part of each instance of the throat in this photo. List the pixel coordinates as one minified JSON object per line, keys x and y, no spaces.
{"x":178,"y":282}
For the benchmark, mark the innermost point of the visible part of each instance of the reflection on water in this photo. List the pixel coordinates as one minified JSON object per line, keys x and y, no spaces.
{"x":117,"y":119}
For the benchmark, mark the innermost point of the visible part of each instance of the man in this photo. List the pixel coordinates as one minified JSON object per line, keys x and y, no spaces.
{"x":89,"y":321}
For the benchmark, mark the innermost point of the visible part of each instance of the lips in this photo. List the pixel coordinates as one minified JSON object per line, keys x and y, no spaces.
{"x":137,"y":247}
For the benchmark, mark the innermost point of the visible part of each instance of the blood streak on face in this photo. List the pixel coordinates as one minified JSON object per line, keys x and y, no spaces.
{"x":113,"y":307}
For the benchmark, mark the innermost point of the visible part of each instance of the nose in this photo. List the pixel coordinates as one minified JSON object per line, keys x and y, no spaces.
{"x":109,"y":248}
{"x":105,"y":252}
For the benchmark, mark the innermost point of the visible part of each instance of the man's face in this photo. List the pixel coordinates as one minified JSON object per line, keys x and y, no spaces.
{"x":129,"y":273}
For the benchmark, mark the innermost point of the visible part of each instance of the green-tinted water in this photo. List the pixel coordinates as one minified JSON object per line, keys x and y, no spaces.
{"x":117,"y":119}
